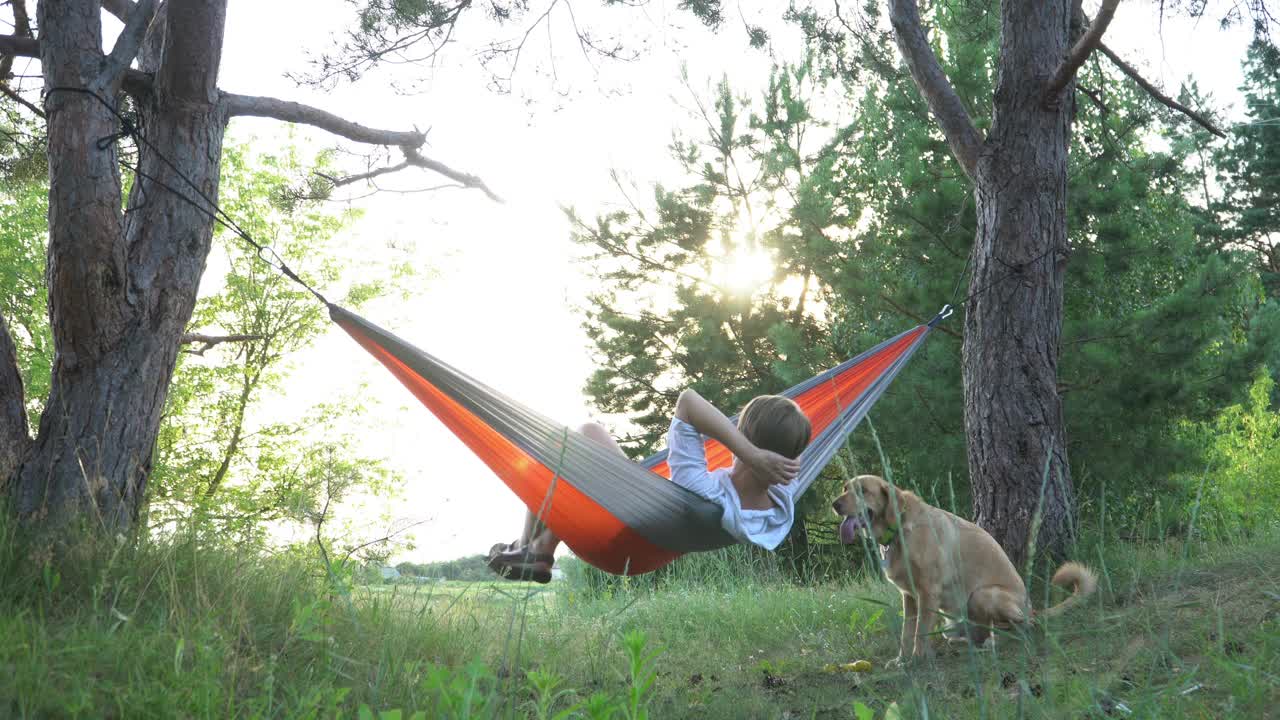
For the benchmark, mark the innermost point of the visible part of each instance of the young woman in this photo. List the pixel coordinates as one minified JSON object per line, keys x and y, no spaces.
{"x":758,"y":504}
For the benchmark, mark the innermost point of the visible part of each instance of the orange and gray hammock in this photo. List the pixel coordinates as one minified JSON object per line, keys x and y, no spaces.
{"x":622,"y":516}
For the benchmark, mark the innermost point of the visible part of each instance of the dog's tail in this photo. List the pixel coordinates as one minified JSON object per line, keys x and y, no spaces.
{"x":1082,"y":582}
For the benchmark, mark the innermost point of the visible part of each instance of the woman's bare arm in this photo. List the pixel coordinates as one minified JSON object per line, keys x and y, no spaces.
{"x":769,"y":466}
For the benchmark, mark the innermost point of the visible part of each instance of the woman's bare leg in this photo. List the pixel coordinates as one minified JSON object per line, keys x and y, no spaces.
{"x":538,"y":537}
{"x":532,"y":529}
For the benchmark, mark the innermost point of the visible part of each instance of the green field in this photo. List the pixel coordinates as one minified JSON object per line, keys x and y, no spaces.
{"x":189,"y":631}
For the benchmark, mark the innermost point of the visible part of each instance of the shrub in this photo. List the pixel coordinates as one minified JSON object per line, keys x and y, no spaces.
{"x":1241,"y":491}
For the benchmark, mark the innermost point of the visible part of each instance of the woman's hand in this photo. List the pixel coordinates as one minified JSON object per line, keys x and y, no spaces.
{"x":772,"y":468}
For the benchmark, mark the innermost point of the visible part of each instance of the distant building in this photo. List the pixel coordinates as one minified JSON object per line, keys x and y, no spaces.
{"x":389,"y":573}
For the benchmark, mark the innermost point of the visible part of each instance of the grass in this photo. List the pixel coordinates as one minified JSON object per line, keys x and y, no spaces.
{"x":187,"y":628}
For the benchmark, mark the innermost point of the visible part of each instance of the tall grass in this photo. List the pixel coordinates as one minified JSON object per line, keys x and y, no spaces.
{"x":189,"y":626}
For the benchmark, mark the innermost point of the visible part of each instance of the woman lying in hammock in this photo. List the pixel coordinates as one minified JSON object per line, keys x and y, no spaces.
{"x":758,"y":508}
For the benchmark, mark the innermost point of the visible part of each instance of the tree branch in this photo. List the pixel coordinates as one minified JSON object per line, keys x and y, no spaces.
{"x":19,"y":46}
{"x":127,"y":44}
{"x":21,"y":18}
{"x":1080,"y":52}
{"x":385,"y":538}
{"x":14,"y":96}
{"x":139,"y":83}
{"x":1154,"y":92}
{"x":413,"y":157}
{"x":348,"y":179}
{"x":1095,"y":98}
{"x":338,"y":182}
{"x":268,"y":107}
{"x":135,"y":82}
{"x":210,"y":340}
{"x":21,"y":28}
{"x":409,"y":142}
{"x":14,"y":437}
{"x":947,"y":108}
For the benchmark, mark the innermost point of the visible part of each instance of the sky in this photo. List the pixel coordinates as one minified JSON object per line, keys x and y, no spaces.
{"x":499,"y":286}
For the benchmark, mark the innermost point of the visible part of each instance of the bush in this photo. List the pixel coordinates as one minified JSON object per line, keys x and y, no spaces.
{"x":1241,"y":491}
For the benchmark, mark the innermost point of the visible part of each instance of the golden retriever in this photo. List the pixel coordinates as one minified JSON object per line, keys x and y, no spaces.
{"x":943,"y":563}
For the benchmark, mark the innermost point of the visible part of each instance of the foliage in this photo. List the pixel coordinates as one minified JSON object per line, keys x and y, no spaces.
{"x":1245,"y":218}
{"x":23,"y":300}
{"x":1241,"y":463}
{"x":402,"y":32}
{"x":1248,"y":213}
{"x":470,"y":568}
{"x":23,"y":237}
{"x":216,"y":454}
{"x":22,"y":146}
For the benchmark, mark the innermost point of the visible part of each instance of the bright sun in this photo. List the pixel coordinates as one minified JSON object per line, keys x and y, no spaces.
{"x":743,"y":271}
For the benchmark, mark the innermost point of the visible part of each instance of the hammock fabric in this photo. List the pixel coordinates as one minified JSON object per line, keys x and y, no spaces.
{"x":621,"y":516}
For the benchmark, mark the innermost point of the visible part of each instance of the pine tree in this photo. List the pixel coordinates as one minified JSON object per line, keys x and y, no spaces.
{"x":1248,"y":215}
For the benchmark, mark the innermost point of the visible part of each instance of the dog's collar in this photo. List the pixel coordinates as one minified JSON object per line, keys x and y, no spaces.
{"x":887,"y":537}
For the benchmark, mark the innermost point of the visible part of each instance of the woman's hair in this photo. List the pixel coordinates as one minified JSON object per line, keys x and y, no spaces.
{"x":775,"y":423}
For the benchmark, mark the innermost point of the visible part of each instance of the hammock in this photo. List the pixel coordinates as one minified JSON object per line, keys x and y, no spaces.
{"x":621,"y":516}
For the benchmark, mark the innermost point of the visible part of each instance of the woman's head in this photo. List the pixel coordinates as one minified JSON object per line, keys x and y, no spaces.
{"x":775,"y":423}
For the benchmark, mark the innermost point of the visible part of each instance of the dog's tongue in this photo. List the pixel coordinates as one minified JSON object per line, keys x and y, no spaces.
{"x":849,"y":529}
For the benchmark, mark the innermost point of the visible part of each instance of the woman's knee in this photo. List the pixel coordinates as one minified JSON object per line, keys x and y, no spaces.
{"x":596,"y":431}
{"x":600,"y":434}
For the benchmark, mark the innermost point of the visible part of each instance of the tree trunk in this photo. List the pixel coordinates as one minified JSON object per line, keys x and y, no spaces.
{"x":1013,"y":325}
{"x":121,"y":286}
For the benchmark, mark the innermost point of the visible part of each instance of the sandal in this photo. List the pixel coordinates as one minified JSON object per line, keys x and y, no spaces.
{"x":522,"y":565}
{"x":500,"y":548}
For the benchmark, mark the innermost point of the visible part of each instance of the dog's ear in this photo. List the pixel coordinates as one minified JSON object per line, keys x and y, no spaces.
{"x":906,"y":500}
{"x":896,"y":498}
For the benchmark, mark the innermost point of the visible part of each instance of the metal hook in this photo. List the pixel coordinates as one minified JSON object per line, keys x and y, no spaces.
{"x":943,"y":314}
{"x":267,"y":254}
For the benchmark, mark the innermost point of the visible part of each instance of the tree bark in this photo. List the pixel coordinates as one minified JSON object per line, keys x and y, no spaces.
{"x":1013,"y":325}
{"x":121,"y":287}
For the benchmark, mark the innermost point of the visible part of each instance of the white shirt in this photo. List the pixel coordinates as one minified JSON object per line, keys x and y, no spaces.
{"x":688,"y":462}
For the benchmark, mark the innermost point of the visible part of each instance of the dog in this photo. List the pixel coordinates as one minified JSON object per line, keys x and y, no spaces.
{"x":945,"y":564}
